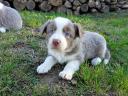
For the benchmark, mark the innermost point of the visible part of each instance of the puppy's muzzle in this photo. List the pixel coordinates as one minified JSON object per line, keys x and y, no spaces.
{"x":56,"y":43}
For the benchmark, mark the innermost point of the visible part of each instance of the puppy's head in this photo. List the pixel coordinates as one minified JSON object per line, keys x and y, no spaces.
{"x":61,"y":33}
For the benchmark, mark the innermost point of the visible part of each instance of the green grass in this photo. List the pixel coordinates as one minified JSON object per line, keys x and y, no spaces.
{"x":18,"y":65}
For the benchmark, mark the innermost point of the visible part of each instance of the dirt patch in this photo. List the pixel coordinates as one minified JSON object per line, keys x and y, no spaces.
{"x":56,"y":86}
{"x":19,"y":44}
{"x":52,"y":76}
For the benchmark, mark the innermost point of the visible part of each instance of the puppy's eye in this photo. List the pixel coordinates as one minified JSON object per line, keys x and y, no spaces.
{"x":67,"y":34}
{"x":50,"y":31}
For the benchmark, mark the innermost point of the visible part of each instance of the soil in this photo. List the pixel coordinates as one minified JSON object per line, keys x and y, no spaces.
{"x":56,"y":85}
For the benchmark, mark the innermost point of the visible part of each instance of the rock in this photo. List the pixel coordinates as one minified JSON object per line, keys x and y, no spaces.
{"x":113,"y":7}
{"x":113,"y":1}
{"x":38,"y":1}
{"x":108,"y":1}
{"x":125,"y":6}
{"x":55,"y":2}
{"x":68,"y":4}
{"x":74,"y":7}
{"x":23,"y":1}
{"x":77,"y":12}
{"x":61,"y":9}
{"x":102,"y":0}
{"x":76,"y":3}
{"x":44,"y":6}
{"x":19,"y":5}
{"x":30,"y":5}
{"x":91,"y":4}
{"x":98,"y":4}
{"x":84,"y":8}
{"x":83,"y":1}
{"x":104,"y":8}
{"x":122,"y":2}
{"x":93,"y":10}
{"x":71,"y":1}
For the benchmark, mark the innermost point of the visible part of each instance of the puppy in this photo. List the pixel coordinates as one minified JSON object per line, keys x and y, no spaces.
{"x":67,"y":43}
{"x":9,"y":19}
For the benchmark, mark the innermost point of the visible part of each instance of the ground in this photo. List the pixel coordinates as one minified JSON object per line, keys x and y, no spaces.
{"x":21,"y":53}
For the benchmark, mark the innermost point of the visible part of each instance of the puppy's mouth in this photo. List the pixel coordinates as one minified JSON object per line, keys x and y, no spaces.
{"x":55,"y":47}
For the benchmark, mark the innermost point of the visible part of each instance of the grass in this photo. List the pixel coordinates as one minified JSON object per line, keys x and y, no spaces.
{"x":21,"y":53}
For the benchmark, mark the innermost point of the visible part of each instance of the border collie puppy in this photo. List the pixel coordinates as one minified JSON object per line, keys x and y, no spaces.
{"x":68,"y":43}
{"x":9,"y":19}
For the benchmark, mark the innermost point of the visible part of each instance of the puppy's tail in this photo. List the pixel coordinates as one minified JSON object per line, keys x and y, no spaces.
{"x":107,"y":57}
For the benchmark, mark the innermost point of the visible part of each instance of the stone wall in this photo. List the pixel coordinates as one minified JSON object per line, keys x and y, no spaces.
{"x":69,"y":6}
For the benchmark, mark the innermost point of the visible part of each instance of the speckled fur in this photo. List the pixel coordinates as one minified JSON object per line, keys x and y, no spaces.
{"x":82,"y":45}
{"x":10,"y":18}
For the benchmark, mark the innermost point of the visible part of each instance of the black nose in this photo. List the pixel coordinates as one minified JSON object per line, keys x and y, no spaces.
{"x":56,"y":42}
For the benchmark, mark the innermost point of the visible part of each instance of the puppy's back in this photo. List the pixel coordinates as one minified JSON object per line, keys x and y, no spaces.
{"x":10,"y":18}
{"x":93,"y":37}
{"x":91,"y":42}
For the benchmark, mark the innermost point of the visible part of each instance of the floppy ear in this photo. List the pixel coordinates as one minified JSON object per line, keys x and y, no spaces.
{"x":42,"y":29}
{"x":78,"y":30}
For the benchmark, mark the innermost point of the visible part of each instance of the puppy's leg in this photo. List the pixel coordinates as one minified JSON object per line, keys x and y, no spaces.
{"x":70,"y":69}
{"x":100,"y":55}
{"x":2,"y":29}
{"x":49,"y":62}
{"x":107,"y":57}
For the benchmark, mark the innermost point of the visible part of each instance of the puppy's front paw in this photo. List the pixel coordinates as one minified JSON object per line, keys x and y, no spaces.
{"x":42,"y":69}
{"x":2,"y":30}
{"x":65,"y":75}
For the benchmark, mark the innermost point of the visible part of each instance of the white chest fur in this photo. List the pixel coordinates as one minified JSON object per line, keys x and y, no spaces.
{"x":61,"y":57}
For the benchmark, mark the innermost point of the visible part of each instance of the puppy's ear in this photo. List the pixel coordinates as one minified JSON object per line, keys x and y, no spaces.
{"x":78,"y":30}
{"x":42,"y":29}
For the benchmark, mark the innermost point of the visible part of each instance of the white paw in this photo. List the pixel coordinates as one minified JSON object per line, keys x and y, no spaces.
{"x":96,"y":61}
{"x":2,"y":29}
{"x":42,"y":69}
{"x":105,"y":61}
{"x":65,"y":75}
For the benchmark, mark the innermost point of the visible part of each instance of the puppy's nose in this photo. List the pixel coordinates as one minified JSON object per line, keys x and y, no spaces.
{"x":56,"y":42}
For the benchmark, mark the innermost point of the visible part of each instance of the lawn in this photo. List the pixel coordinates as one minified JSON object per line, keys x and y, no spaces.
{"x":21,"y":53}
